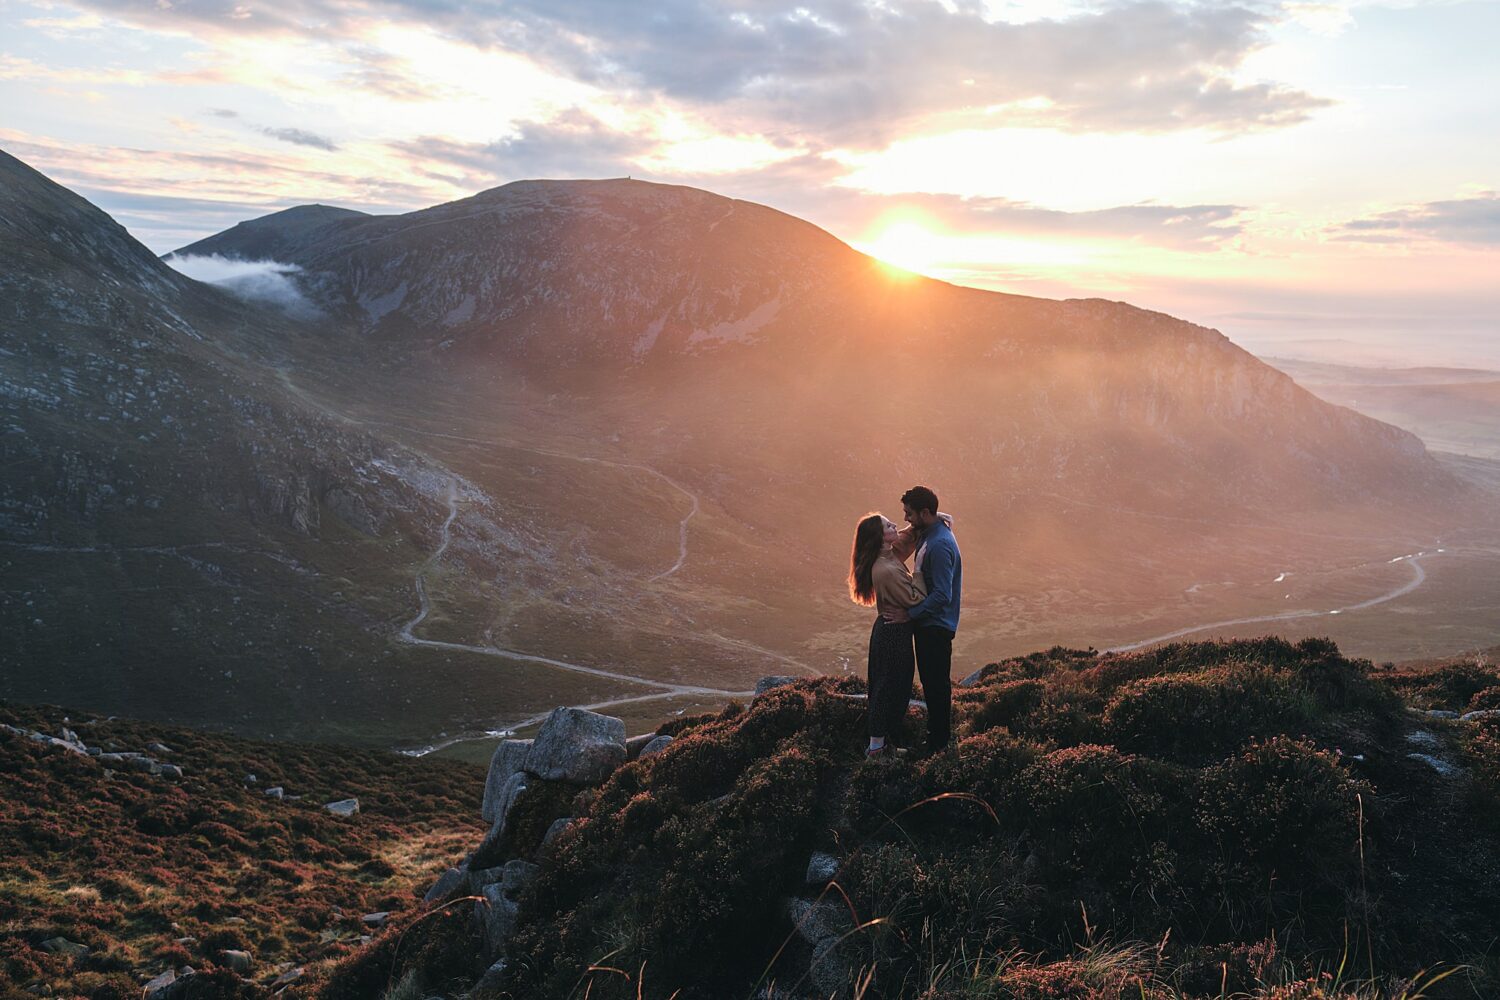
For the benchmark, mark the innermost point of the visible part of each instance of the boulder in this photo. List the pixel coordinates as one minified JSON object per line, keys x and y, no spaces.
{"x":159,"y":748}
{"x":275,"y":792}
{"x":509,"y":757}
{"x":555,"y":830}
{"x":492,"y":980}
{"x":288,"y":977}
{"x":656,"y":746}
{"x":376,"y":919}
{"x":1446,"y":769}
{"x":169,"y":770}
{"x":821,"y":869}
{"x":577,"y":746}
{"x":479,"y":878}
{"x":774,"y":681}
{"x":1479,"y":715}
{"x":636,"y":744}
{"x":516,"y":875}
{"x":178,"y":987}
{"x":156,"y":987}
{"x":1422,"y":738}
{"x":1441,"y":713}
{"x":343,"y":807}
{"x":496,"y":917}
{"x":821,"y":924}
{"x":972,"y":679}
{"x":500,"y":901}
{"x":62,"y":946}
{"x":237,"y":961}
{"x":488,"y":852}
{"x":447,"y":885}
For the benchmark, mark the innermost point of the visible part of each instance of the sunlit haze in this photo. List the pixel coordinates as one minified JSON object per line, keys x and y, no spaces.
{"x":1314,"y":179}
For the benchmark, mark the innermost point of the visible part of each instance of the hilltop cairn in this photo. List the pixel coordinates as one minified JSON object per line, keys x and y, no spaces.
{"x":530,"y":783}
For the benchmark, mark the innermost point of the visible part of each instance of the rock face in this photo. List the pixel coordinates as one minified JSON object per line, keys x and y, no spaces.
{"x":573,"y":747}
{"x":447,"y":884}
{"x":656,"y":746}
{"x":555,"y":830}
{"x":821,"y":924}
{"x":505,"y":800}
{"x":577,"y":746}
{"x":496,"y":912}
{"x":509,"y":757}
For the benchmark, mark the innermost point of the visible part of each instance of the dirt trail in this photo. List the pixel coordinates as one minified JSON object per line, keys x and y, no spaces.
{"x":663,"y":689}
{"x":1419,"y":577}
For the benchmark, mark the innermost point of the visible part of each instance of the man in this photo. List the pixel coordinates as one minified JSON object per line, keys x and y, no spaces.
{"x":935,"y":619}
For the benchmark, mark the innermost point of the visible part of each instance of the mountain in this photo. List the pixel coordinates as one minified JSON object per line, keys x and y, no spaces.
{"x":778,"y":330}
{"x":270,"y":236}
{"x":603,"y":443}
{"x":174,"y":521}
{"x":1454,"y":410}
{"x":789,"y":382}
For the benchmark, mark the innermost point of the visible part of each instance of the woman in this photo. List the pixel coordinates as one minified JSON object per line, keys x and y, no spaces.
{"x":878,"y":577}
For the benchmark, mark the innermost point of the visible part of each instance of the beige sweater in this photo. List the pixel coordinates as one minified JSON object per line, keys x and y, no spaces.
{"x":895,"y":587}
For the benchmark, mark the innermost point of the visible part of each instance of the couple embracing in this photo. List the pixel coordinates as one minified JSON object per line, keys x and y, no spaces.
{"x":918,"y":615}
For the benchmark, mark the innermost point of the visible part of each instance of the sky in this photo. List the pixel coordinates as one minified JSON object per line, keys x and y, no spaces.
{"x":1314,"y":179}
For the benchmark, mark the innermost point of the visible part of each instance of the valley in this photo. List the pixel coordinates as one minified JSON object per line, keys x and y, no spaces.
{"x":603,"y":444}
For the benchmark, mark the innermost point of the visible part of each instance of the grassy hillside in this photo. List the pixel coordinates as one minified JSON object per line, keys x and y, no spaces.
{"x":1201,"y":820}
{"x":151,"y":872}
{"x":1207,"y":820}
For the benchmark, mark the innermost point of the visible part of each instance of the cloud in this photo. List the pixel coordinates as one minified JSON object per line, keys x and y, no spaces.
{"x":840,"y":72}
{"x":574,"y":144}
{"x":299,"y":137}
{"x":857,"y":73}
{"x":1474,"y":221}
{"x":223,"y":113}
{"x":264,"y":281}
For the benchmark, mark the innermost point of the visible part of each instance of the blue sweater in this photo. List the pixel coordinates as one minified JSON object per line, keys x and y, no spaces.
{"x":943,"y":572}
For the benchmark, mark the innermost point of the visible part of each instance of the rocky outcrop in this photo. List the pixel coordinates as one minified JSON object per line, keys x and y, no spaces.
{"x":577,"y":746}
{"x":574,"y":747}
{"x":508,"y":759}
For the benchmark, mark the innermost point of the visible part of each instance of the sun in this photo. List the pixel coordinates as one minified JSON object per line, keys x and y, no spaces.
{"x":909,"y":245}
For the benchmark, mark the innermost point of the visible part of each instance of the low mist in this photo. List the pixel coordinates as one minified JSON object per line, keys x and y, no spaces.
{"x":264,"y":281}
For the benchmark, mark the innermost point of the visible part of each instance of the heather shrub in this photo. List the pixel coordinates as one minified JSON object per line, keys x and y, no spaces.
{"x":1199,"y":718}
{"x":1006,"y":703}
{"x":1283,"y":819}
{"x":1095,"y":809}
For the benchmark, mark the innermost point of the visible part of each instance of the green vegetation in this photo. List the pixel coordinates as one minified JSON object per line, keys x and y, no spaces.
{"x":1204,"y":820}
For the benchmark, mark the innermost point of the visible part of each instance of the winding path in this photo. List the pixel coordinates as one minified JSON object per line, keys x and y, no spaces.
{"x":663,"y":689}
{"x":1419,"y":577}
{"x":682,"y":527}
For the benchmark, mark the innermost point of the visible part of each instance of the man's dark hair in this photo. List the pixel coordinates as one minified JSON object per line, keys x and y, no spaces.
{"x":920,"y":498}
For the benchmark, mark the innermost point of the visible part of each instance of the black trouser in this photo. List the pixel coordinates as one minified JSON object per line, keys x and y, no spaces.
{"x":889,"y":676}
{"x":935,"y":664}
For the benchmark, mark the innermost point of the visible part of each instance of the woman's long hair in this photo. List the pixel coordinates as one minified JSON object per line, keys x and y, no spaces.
{"x":869,"y":539}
